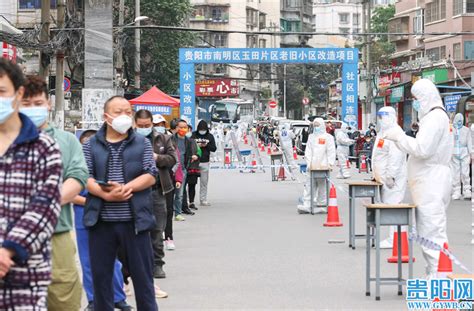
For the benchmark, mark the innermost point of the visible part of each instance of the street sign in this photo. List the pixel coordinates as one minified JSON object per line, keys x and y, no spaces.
{"x":305,"y":100}
{"x":272,"y":103}
{"x":67,"y":94}
{"x":67,"y":84}
{"x":451,"y":101}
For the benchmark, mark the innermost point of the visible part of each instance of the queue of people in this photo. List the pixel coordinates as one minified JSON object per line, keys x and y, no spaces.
{"x":126,"y":181}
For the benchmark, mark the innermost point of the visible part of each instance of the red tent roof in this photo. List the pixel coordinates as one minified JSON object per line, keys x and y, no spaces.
{"x":155,"y":97}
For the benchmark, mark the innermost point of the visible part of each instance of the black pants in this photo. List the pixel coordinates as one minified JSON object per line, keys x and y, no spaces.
{"x":191,"y":192}
{"x":105,"y":238}
{"x":160,"y":212}
{"x":169,"y":197}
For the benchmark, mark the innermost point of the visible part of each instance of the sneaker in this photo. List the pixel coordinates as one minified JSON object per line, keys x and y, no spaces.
{"x":302,"y":209}
{"x":467,"y":195}
{"x":159,"y":273}
{"x":205,"y":203}
{"x":179,"y":218}
{"x":160,"y":293}
{"x":456,"y":196}
{"x":90,"y":306}
{"x":320,"y":211}
{"x":187,"y":211}
{"x":123,"y":305}
{"x":169,"y":245}
{"x":193,"y":206}
{"x":127,"y":289}
{"x":386,"y":244}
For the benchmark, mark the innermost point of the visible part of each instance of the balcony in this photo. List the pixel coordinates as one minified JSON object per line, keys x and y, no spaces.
{"x":398,"y":26}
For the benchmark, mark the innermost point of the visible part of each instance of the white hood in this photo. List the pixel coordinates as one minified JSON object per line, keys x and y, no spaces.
{"x":321,"y":126}
{"x":427,"y":94}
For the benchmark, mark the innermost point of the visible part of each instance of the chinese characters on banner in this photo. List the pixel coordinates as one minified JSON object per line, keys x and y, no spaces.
{"x":217,"y":88}
{"x":347,"y":56}
{"x":8,"y":51}
{"x":154,"y":109}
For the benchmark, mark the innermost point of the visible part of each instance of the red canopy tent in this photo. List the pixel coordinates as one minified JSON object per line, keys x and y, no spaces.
{"x":157,"y":102}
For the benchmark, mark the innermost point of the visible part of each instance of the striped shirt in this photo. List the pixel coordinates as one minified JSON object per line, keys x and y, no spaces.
{"x":119,"y":211}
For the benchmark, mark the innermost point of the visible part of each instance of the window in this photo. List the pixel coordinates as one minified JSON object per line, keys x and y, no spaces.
{"x":343,"y":18}
{"x":291,"y":3}
{"x":355,"y":19}
{"x":469,"y":50}
{"x":457,"y":7}
{"x":344,"y":30}
{"x":252,"y":17}
{"x":418,"y":25}
{"x":435,"y":11}
{"x":435,"y":53}
{"x":442,"y":52}
{"x":457,"y":51}
{"x":469,"y":6}
{"x":262,"y":21}
{"x":33,"y":4}
{"x":262,"y":43}
{"x":220,"y":39}
{"x":251,"y":41}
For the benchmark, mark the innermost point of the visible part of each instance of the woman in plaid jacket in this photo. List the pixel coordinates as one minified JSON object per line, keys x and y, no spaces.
{"x":30,"y":178}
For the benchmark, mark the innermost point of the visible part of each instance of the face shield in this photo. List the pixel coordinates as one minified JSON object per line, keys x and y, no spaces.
{"x":386,"y":118}
{"x":458,"y":121}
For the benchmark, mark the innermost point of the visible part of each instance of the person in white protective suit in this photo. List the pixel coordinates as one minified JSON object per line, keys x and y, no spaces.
{"x":429,"y":174}
{"x":320,"y":153}
{"x":286,"y":143}
{"x":343,"y":142}
{"x":389,"y":166}
{"x":219,"y":141}
{"x":461,"y":159}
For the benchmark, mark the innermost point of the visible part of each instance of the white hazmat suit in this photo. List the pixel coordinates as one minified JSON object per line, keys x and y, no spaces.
{"x":286,"y":143}
{"x":429,"y":174}
{"x":343,"y":142}
{"x":389,"y":166}
{"x":461,"y":159}
{"x":320,"y":153}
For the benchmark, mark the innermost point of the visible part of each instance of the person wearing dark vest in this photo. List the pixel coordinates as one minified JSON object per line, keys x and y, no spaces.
{"x":119,"y":206}
{"x":165,"y":158}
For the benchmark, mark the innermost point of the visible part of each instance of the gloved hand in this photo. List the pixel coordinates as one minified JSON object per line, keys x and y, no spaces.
{"x":390,"y":182}
{"x":393,"y":134}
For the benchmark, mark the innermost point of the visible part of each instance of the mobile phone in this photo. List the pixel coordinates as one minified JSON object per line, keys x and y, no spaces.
{"x":103,"y":183}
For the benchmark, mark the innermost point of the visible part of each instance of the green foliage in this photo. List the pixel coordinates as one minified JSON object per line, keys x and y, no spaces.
{"x":159,"y":49}
{"x":379,"y":20}
{"x":381,"y":47}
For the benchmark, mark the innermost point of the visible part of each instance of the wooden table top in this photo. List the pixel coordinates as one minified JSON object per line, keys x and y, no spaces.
{"x":363,"y":183}
{"x":322,"y":169}
{"x":390,"y":206}
{"x":461,"y":276}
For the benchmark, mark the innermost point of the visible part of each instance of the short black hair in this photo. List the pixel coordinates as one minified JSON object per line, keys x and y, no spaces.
{"x":143,"y":114}
{"x":174,"y":123}
{"x":86,"y":134}
{"x":13,"y":72}
{"x":106,"y":104}
{"x":35,"y":85}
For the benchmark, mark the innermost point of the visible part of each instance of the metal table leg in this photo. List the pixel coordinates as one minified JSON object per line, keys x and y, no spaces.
{"x":399,"y":259}
{"x":410,"y":245}
{"x":367,"y":267}
{"x":350,"y":216}
{"x":352,"y":220}
{"x":377,"y":254}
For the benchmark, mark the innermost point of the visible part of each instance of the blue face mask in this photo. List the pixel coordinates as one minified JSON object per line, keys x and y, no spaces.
{"x":36,"y":114}
{"x":160,"y":129}
{"x":416,"y":105}
{"x":6,"y":109}
{"x":317,"y":130}
{"x":143,"y":131}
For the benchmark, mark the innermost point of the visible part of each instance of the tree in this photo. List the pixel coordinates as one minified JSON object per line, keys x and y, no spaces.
{"x":159,"y":49}
{"x":381,"y":47}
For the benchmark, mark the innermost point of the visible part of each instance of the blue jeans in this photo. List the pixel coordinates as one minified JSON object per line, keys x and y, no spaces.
{"x":82,"y":236}
{"x":178,"y":197}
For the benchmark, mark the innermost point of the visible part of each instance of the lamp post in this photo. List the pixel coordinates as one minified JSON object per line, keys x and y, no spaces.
{"x":137,"y":20}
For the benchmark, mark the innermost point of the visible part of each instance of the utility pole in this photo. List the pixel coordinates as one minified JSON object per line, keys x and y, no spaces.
{"x":119,"y":68}
{"x":367,"y":8}
{"x":44,"y":37}
{"x":59,"y":87}
{"x":284,"y":91}
{"x":137,"y":46}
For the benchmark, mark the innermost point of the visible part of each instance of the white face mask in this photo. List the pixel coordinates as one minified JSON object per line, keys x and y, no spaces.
{"x":202,"y":132}
{"x":160,"y":129}
{"x":6,"y":108}
{"x":122,"y":123}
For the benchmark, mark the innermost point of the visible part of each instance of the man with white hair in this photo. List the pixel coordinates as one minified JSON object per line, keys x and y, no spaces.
{"x":320,"y":153}
{"x":389,"y":166}
{"x":429,"y":174}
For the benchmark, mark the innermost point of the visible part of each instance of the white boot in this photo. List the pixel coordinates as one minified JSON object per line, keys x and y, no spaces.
{"x":456,"y":196}
{"x":467,"y":194}
{"x":303,"y":209}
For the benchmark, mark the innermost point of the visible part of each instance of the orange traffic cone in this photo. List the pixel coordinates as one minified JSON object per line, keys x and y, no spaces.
{"x":269,"y":150}
{"x":348,"y":163}
{"x":262,"y":147}
{"x":227,"y":159}
{"x":332,"y":219}
{"x":394,"y":258}
{"x":295,"y":155}
{"x":363,"y":164}
{"x":254,"y":163}
{"x":444,"y":263}
{"x":246,"y":140}
{"x":281,"y":173}
{"x":259,"y":144}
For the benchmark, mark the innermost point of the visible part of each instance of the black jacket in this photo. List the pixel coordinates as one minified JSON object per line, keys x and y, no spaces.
{"x":207,"y":139}
{"x":190,"y":151}
{"x":166,"y":158}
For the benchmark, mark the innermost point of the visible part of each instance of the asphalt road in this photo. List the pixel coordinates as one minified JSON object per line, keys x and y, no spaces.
{"x":251,"y":250}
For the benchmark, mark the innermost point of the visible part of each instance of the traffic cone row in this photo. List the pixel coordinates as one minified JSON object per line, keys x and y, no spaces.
{"x":269,"y":150}
{"x":332,"y":219}
{"x":445,"y":265}
{"x":363,"y":164}
{"x":281,"y":173}
{"x":254,"y":162}
{"x":394,"y":258}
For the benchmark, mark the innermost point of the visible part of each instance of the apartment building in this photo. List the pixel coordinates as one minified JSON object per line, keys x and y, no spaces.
{"x":342,"y":16}
{"x":296,"y":16}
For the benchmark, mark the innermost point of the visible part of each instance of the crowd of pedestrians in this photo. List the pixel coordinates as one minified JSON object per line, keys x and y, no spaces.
{"x":118,"y":188}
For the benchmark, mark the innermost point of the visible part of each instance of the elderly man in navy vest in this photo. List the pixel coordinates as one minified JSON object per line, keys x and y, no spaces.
{"x":119,"y":208}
